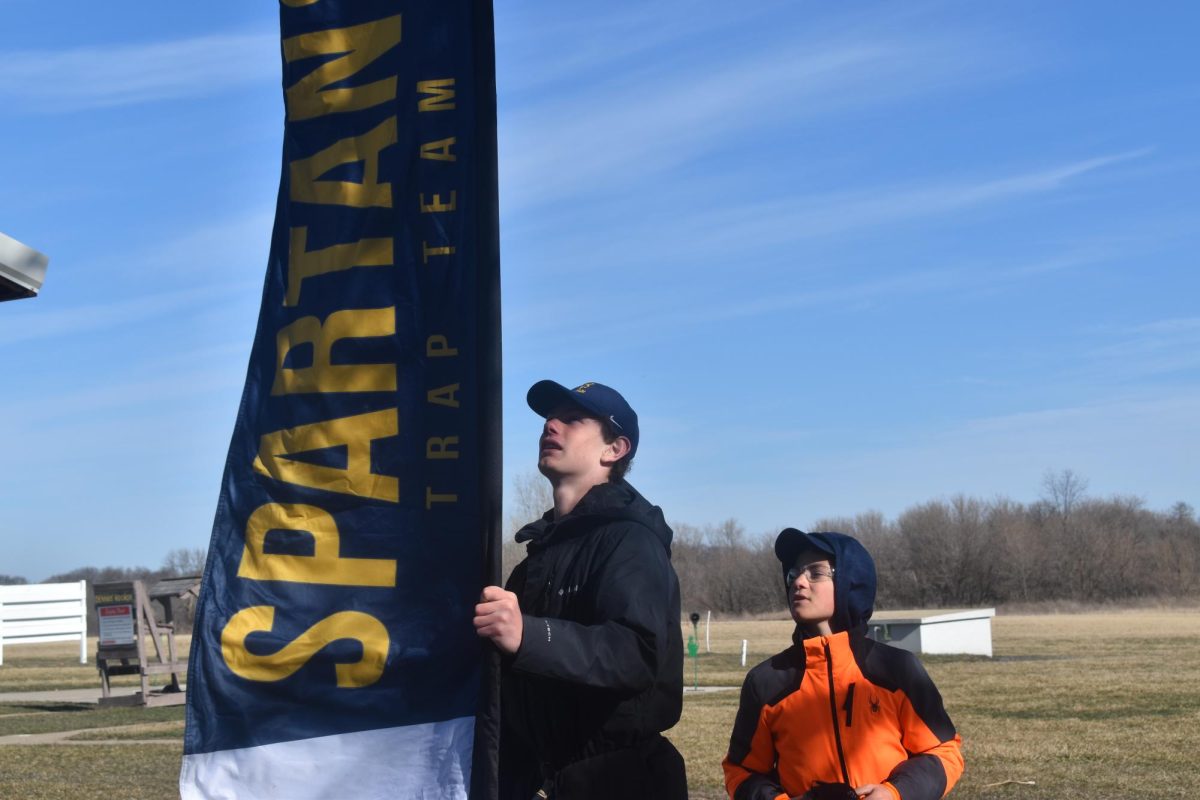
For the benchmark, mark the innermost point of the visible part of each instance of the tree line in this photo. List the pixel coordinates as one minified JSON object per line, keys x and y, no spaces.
{"x":179,"y":563}
{"x":964,"y":551}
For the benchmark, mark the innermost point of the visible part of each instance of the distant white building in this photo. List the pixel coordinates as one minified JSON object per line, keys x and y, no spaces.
{"x":936,"y":631}
{"x":22,"y":269}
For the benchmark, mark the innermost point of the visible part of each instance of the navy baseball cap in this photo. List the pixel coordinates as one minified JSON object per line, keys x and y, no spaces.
{"x":596,"y":399}
{"x":792,"y":542}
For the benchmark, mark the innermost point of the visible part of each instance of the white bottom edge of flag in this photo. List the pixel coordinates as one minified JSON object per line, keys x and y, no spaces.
{"x":431,"y":761}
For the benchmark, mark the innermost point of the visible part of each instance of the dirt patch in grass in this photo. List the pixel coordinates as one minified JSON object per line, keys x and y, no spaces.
{"x":150,"y":730}
{"x":74,"y":717}
{"x":31,"y":709}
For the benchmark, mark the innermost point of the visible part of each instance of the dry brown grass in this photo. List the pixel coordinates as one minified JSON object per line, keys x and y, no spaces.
{"x":86,"y":771}
{"x":1103,"y":705}
{"x":48,"y":667}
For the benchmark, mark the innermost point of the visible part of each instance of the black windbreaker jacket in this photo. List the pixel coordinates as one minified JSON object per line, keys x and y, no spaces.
{"x":600,"y":665}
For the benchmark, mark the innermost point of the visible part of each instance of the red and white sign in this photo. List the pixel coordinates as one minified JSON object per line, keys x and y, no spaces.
{"x":116,"y":625}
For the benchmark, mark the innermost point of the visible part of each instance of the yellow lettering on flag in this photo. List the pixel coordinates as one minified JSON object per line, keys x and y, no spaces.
{"x":306,"y":183}
{"x":444,"y":396}
{"x":437,"y":447}
{"x":432,"y":497}
{"x":324,"y":376}
{"x":439,"y":150}
{"x":367,"y":630}
{"x":436,"y":205}
{"x":354,"y":433}
{"x":356,"y":47}
{"x":304,"y":264}
{"x":427,"y":251}
{"x":438,"y":346}
{"x":326,"y":565}
{"x":441,"y":93}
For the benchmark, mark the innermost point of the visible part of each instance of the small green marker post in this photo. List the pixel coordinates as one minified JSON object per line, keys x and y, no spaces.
{"x":694,"y":650}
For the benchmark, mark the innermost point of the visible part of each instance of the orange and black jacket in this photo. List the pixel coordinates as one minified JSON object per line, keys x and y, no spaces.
{"x":842,"y":708}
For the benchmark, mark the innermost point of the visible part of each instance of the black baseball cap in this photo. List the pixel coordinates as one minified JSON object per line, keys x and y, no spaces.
{"x":596,"y":399}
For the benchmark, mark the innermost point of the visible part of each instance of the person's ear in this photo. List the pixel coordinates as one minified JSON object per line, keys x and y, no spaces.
{"x":616,"y":450}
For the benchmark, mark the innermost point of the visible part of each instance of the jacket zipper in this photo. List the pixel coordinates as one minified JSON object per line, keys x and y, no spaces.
{"x":837,"y":730}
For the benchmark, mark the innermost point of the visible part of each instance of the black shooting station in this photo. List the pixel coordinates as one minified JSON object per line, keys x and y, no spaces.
{"x":128,"y":612}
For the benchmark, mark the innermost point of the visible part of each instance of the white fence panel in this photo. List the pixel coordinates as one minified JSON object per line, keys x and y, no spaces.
{"x":44,"y":612}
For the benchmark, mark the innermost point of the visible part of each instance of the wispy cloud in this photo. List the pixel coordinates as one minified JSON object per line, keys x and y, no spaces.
{"x":1139,"y":443}
{"x":791,"y":219}
{"x":242,"y":242}
{"x":774,"y":225}
{"x":540,"y":48}
{"x":57,"y":81}
{"x":645,"y":122}
{"x":767,"y":240}
{"x":900,"y":285}
{"x":1154,"y":348}
{"x":39,"y":323}
{"x":99,"y":400}
{"x":230,"y":249}
{"x":537,"y":334}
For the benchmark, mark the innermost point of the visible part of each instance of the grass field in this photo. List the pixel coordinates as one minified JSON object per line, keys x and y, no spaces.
{"x":1098,"y":705}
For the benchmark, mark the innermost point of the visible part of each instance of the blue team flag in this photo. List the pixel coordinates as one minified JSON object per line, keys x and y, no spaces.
{"x":333,"y":652}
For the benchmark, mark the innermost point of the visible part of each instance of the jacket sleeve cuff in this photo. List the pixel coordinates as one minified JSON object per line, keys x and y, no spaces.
{"x":536,"y":636}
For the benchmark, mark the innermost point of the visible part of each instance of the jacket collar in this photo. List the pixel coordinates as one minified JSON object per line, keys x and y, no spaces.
{"x":613,"y":500}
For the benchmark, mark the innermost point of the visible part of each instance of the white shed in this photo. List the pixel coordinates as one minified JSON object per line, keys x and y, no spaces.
{"x":936,"y":631}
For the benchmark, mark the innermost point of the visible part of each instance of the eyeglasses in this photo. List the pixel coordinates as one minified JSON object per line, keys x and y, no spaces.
{"x":813,"y":573}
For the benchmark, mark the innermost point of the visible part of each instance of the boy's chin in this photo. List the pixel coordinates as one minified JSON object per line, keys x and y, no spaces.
{"x":805,"y":621}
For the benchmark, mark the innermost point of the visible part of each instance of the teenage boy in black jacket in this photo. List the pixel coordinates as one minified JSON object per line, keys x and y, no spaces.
{"x":589,"y":622}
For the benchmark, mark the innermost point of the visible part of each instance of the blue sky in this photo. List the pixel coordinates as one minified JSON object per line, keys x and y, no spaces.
{"x":839,"y":257}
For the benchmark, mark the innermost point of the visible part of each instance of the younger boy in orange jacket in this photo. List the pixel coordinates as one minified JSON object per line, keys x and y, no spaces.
{"x":837,"y":715}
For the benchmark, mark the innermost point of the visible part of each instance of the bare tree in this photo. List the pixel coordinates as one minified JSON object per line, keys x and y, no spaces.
{"x":722,"y":569}
{"x":1175,"y":547}
{"x":1063,"y":490}
{"x":1022,"y":550}
{"x":532,"y":497}
{"x":1182,"y":514}
{"x":185,"y":561}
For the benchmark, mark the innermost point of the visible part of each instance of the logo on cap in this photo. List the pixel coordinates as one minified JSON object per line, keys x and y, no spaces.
{"x":583,"y":387}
